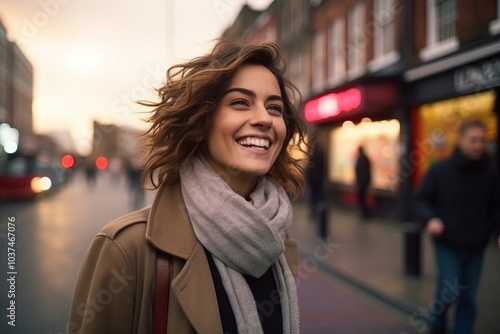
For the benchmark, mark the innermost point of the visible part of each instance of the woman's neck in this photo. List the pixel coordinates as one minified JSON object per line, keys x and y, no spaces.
{"x":241,"y":185}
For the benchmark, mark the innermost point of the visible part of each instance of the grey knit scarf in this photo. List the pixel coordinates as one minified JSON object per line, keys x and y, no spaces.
{"x":244,"y":237}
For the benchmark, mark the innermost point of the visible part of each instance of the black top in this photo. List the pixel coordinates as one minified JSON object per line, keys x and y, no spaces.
{"x":265,"y":293}
{"x":465,"y":194}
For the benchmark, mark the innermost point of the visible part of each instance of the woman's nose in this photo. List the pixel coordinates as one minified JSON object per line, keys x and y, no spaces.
{"x":261,"y":117}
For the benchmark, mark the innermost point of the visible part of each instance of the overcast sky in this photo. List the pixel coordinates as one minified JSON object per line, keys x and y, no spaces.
{"x":93,"y":58}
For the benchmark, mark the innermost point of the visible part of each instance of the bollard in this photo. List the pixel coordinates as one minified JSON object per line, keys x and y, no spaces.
{"x":321,"y":216}
{"x":412,"y":249}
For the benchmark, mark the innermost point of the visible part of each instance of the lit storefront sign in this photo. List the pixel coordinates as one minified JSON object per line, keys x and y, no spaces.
{"x":332,"y":104}
{"x":471,"y":78}
{"x":478,"y":76}
{"x":363,"y":100}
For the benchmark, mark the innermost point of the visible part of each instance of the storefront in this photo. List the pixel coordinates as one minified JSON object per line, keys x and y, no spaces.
{"x":441,"y":95}
{"x":359,"y":115}
{"x":441,"y":102}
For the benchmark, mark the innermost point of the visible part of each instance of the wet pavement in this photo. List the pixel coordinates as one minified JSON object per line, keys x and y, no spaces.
{"x":369,"y":255}
{"x":53,"y":233}
{"x":329,"y":305}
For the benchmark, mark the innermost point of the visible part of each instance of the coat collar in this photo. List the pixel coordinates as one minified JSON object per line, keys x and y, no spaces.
{"x":177,"y":236}
{"x":169,"y":229}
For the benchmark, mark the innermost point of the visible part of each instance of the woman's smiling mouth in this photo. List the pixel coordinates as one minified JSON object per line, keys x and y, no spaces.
{"x":260,"y":143}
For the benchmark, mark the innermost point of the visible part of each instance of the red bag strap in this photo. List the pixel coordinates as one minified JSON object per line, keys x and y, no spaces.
{"x":160,"y":310}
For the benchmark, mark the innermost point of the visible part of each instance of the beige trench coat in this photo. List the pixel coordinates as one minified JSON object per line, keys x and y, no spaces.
{"x":115,"y":287}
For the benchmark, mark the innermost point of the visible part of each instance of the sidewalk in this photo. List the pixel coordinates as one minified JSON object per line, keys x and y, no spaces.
{"x":329,"y":305}
{"x":369,"y":256}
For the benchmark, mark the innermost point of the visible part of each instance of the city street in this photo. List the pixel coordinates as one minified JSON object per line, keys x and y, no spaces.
{"x":53,"y":233}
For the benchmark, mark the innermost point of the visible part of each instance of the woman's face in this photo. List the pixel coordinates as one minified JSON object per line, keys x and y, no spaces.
{"x":247,"y":130}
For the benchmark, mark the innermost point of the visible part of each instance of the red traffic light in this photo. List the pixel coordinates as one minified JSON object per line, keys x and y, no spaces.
{"x":101,"y":163}
{"x":67,"y":161}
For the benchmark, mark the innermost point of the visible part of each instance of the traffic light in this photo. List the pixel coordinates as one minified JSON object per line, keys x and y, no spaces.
{"x":101,"y":163}
{"x":67,"y":161}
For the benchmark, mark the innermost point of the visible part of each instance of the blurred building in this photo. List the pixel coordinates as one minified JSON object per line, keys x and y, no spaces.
{"x":265,"y":26}
{"x":48,"y":149}
{"x":5,"y":75}
{"x":16,"y":99}
{"x":294,"y":35}
{"x":105,"y":140}
{"x":130,"y":143}
{"x":394,"y":76}
{"x":356,"y":64}
{"x":454,"y":74}
{"x":64,"y":141}
{"x":242,"y":24}
{"x":114,"y":142}
{"x":22,"y":100}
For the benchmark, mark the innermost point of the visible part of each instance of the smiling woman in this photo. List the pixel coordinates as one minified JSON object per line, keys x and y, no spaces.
{"x":247,"y":130}
{"x":219,"y":154}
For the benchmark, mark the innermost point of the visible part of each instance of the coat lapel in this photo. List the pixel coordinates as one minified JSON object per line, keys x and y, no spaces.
{"x":195,"y":291}
{"x":170,"y":230}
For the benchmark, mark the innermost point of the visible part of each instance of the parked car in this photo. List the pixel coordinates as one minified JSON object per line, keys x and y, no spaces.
{"x":22,"y":178}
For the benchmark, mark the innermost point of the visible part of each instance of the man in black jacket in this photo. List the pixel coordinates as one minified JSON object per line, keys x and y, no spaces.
{"x":459,"y":201}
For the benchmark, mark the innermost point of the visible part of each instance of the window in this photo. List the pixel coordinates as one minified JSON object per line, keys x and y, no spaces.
{"x":336,"y":52}
{"x":318,"y":61}
{"x":445,"y":20}
{"x":495,"y":25}
{"x":380,"y":140}
{"x":441,"y":29}
{"x":356,"y":47}
{"x":384,"y":39}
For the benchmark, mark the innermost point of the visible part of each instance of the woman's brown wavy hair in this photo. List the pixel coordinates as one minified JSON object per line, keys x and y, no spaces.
{"x":181,"y":120}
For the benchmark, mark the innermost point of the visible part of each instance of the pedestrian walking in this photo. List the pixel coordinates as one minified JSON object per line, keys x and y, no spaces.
{"x":458,"y":200}
{"x":90,"y":172}
{"x":136,"y":190}
{"x":219,"y":154}
{"x":363,"y":179}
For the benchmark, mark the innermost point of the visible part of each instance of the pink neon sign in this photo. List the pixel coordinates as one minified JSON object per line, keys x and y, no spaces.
{"x":332,"y":104}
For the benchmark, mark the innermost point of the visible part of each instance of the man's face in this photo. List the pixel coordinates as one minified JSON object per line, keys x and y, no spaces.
{"x":472,"y":143}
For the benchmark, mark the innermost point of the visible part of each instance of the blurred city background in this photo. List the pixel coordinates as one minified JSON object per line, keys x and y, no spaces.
{"x":395,"y":76}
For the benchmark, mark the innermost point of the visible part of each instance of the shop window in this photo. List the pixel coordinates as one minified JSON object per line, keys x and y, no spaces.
{"x":336,"y":52}
{"x":441,"y":29}
{"x":384,"y":38}
{"x":495,"y":25}
{"x":381,"y":143}
{"x":357,"y":40}
{"x":437,"y":127}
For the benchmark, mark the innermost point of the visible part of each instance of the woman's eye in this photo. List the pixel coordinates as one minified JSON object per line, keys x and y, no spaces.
{"x":275,"y":107}
{"x":239,"y":103}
